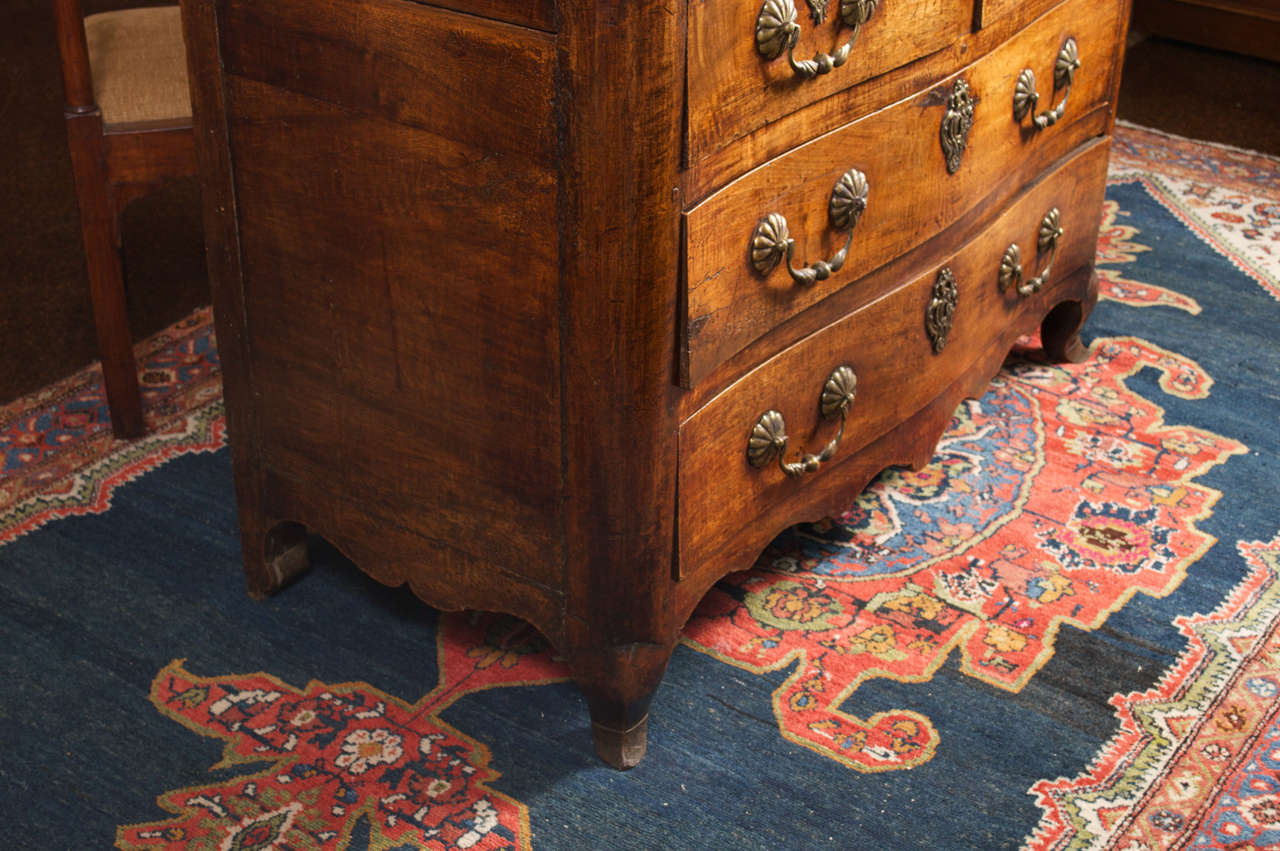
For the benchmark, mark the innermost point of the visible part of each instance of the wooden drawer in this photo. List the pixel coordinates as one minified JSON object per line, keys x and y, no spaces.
{"x":725,"y":500}
{"x":734,"y":89}
{"x":911,"y":195}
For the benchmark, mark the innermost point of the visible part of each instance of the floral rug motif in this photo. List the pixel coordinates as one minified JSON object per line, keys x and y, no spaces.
{"x":342,"y":753}
{"x":1054,"y":498}
{"x":1197,"y":760}
{"x":57,"y":452}
{"x":1117,"y":244}
{"x":1230,"y":199}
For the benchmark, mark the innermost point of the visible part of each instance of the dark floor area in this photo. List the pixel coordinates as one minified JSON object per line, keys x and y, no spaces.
{"x":46,"y":328}
{"x":1202,"y":93}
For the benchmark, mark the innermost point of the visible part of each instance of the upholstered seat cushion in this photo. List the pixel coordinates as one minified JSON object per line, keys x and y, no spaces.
{"x":139,"y":64}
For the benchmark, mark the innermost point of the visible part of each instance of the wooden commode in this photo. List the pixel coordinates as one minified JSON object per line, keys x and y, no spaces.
{"x":565,"y":309}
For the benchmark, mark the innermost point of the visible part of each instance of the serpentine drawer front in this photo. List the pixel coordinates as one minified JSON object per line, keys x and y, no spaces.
{"x":565,"y":309}
{"x":734,"y":298}
{"x":902,"y":349}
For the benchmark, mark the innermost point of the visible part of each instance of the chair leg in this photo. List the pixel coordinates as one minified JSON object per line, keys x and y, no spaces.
{"x":106,"y":278}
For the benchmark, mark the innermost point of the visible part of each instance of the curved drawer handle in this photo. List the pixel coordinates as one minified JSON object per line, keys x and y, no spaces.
{"x":777,"y":30}
{"x":1025,"y":96}
{"x":1046,"y":242}
{"x":769,"y":436}
{"x":772,"y":240}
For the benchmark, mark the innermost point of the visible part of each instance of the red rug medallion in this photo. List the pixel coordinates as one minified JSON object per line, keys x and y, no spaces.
{"x":1054,"y":498}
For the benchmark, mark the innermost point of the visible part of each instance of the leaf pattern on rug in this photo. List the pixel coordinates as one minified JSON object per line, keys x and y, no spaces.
{"x":341,"y":753}
{"x":1054,"y":498}
{"x":1116,"y":244}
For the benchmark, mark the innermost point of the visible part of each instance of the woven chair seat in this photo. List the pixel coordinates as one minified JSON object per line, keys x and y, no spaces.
{"x":139,"y":64}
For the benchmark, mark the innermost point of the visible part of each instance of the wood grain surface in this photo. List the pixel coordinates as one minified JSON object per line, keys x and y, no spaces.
{"x":733,"y":89}
{"x":715,"y":169}
{"x":1021,"y":11}
{"x":899,"y":374}
{"x":475,"y":81}
{"x":1250,"y":27}
{"x":729,"y":303}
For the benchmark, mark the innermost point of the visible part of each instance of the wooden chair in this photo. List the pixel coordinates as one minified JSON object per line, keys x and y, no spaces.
{"x":128,"y":118}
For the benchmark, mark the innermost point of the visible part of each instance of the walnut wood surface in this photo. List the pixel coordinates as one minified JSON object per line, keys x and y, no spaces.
{"x":356,"y":298}
{"x":713,"y":171}
{"x":222,"y":250}
{"x":73,"y":51}
{"x":539,"y":14}
{"x":733,"y":89}
{"x":1019,"y":11}
{"x":622,"y":88}
{"x":724,"y":498}
{"x":100,"y":232}
{"x":729,"y":303}
{"x":475,"y":81}
{"x":1267,"y":9}
{"x":446,"y":256}
{"x":139,"y":158}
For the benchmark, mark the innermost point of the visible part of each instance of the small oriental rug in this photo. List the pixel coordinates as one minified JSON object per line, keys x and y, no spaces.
{"x":1062,"y":633}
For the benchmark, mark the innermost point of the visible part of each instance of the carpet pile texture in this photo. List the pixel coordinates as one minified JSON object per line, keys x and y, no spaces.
{"x":1062,"y":633}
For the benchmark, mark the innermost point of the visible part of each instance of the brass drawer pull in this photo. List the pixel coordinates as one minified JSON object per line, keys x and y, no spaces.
{"x":1046,"y":242}
{"x":772,"y":240}
{"x":777,"y":30}
{"x":769,"y":436}
{"x":1025,"y":96}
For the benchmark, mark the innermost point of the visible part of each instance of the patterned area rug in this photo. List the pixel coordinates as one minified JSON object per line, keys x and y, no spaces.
{"x":1063,"y":633}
